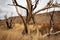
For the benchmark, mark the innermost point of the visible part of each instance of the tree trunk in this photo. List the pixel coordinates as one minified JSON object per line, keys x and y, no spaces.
{"x":29,"y":12}
{"x":25,"y":25}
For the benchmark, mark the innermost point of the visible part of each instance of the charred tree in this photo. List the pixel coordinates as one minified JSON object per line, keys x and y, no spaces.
{"x":9,"y":24}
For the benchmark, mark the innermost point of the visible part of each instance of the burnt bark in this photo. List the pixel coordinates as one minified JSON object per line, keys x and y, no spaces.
{"x":9,"y":25}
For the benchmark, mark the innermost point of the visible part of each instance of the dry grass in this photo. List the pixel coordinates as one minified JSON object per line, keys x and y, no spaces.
{"x":16,"y":34}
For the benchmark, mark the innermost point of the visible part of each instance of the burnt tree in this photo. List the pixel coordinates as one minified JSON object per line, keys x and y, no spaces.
{"x":9,"y":24}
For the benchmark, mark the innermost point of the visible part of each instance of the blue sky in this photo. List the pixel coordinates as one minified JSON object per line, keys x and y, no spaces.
{"x":8,"y":10}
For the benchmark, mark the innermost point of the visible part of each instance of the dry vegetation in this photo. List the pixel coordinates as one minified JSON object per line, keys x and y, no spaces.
{"x":16,"y":34}
{"x":35,"y":31}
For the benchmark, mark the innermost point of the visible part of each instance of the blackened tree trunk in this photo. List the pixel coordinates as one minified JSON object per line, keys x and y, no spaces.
{"x":9,"y":25}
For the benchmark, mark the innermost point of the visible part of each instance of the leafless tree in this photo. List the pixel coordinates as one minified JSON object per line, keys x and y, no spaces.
{"x":48,"y":6}
{"x":26,"y":31}
{"x":30,"y":9}
{"x":9,"y":24}
{"x":50,"y":3}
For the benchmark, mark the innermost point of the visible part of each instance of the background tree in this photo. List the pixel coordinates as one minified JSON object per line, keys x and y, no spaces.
{"x":9,"y":24}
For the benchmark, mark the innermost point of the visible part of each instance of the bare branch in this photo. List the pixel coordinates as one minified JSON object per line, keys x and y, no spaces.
{"x":57,"y":3}
{"x":45,"y":35}
{"x":26,"y":30}
{"x":36,"y":4}
{"x":46,"y":8}
{"x":16,"y":4}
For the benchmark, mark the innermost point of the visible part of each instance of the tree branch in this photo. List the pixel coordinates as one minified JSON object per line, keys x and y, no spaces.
{"x":16,"y":4}
{"x":56,"y":33}
{"x":26,"y":30}
{"x":36,"y":5}
{"x":46,"y":8}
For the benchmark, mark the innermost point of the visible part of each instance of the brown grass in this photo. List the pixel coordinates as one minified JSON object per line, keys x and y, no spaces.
{"x":16,"y":34}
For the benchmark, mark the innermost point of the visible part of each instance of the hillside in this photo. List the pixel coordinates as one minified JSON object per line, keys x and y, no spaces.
{"x":39,"y":18}
{"x":16,"y":32}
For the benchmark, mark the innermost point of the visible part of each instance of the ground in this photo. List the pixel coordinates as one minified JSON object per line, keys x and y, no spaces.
{"x":16,"y":34}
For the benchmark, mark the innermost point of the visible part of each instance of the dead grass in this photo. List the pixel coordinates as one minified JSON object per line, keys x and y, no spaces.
{"x":16,"y":34}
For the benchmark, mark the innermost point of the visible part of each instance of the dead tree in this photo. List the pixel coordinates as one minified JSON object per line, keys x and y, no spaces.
{"x":9,"y":24}
{"x":14,"y":3}
{"x":48,"y":7}
{"x":30,"y":9}
{"x":51,"y":19}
